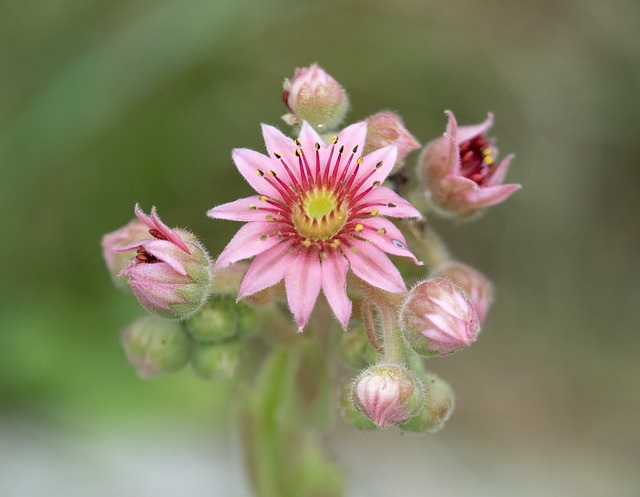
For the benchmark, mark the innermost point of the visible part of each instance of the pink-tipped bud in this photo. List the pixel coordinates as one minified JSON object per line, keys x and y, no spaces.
{"x":170,"y":273}
{"x":387,"y":394}
{"x":478,"y":287}
{"x":387,"y":128}
{"x":438,"y":406}
{"x":312,"y":95}
{"x":460,"y":172}
{"x":155,"y":346}
{"x":116,"y":261}
{"x":438,"y":317}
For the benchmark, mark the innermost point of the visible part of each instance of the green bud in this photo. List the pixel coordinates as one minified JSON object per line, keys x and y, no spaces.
{"x":215,"y":322}
{"x":155,"y":346}
{"x":248,"y":319}
{"x":216,"y":360}
{"x":437,"y":408}
{"x":356,"y":348}
{"x":350,"y":412}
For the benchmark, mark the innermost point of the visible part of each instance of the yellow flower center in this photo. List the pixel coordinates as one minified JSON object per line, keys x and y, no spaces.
{"x":319,"y":215}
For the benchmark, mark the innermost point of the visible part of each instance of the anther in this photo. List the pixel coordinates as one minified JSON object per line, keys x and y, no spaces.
{"x":157,"y":234}
{"x":298,"y":142}
{"x":252,"y":207}
{"x":277,"y":155}
{"x":376,"y":184}
{"x":379,"y":165}
{"x":334,"y":140}
{"x":382,"y":231}
{"x":341,"y":149}
{"x":263,"y":238}
{"x":391,"y":204}
{"x":273,"y":173}
{"x":359,"y":227}
{"x":317,"y":146}
{"x":260,"y":173}
{"x":360,"y":159}
{"x":355,"y":149}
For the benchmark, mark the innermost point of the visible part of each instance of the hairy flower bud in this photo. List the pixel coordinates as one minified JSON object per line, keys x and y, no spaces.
{"x":438,"y":405}
{"x":356,"y":348}
{"x":460,"y":173}
{"x":312,"y":95}
{"x":216,"y":360}
{"x":170,"y":273}
{"x":116,"y":261}
{"x":387,"y":394}
{"x":387,"y":128}
{"x":350,"y":412}
{"x":155,"y":346}
{"x":438,"y":317}
{"x":478,"y":287}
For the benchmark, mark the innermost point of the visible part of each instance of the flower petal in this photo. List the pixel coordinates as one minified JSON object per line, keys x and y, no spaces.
{"x":492,"y":195}
{"x":255,"y":167}
{"x":498,"y":175}
{"x":370,"y":170}
{"x":387,"y":203}
{"x":372,"y":265}
{"x":302,"y":283}
{"x":280,"y":144}
{"x":466,"y":133}
{"x":334,"y":285}
{"x":245,"y":209}
{"x":387,"y":236}
{"x":154,"y":222}
{"x":266,"y":270}
{"x":352,"y":136}
{"x":252,"y":239}
{"x":167,"y":252}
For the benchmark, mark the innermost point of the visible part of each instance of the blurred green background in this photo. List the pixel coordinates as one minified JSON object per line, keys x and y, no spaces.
{"x":108,"y":103}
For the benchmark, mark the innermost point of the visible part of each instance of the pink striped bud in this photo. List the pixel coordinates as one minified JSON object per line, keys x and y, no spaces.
{"x":478,"y":287}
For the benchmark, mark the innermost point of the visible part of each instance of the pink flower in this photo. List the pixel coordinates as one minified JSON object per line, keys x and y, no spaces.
{"x":387,"y":394}
{"x":170,"y":274}
{"x":317,"y":213}
{"x":438,"y":317}
{"x":387,"y":128}
{"x":460,"y":171}
{"x":312,"y":95}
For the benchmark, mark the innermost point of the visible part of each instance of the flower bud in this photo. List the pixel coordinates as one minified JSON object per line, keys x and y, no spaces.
{"x":438,"y":406}
{"x":438,"y":317}
{"x":350,"y":412}
{"x":312,"y":95}
{"x":387,"y":394}
{"x":215,"y":321}
{"x":477,"y":286}
{"x":216,"y":360}
{"x":356,"y":348}
{"x":116,"y":261}
{"x":155,"y":346}
{"x":248,"y":319}
{"x":387,"y":128}
{"x":460,"y":173}
{"x":170,"y":273}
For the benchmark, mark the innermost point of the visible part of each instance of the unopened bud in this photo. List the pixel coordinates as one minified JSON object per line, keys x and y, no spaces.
{"x":312,"y":95}
{"x":350,"y":412}
{"x":438,"y":317}
{"x":387,"y":394}
{"x":216,"y":360}
{"x":387,"y":128}
{"x":170,"y":273}
{"x":248,"y":319}
{"x":116,"y":261}
{"x":155,"y":346}
{"x":438,"y":406}
{"x":215,"y":321}
{"x":356,"y":348}
{"x":477,"y":286}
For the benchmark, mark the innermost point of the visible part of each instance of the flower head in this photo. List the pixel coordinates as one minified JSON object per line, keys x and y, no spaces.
{"x":318,"y":212}
{"x":170,"y":273}
{"x":438,"y":318}
{"x":312,"y":95}
{"x":387,"y":128}
{"x":460,"y":171}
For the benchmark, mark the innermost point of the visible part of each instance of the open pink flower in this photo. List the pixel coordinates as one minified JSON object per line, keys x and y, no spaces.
{"x":318,"y":213}
{"x":461,"y":175}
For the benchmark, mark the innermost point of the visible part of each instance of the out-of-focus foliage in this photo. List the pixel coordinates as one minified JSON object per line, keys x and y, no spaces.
{"x":108,"y":103}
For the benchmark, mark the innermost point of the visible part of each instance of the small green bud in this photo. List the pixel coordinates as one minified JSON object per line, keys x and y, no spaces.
{"x":215,"y":322}
{"x":438,"y":406}
{"x":216,"y":360}
{"x":350,"y":412}
{"x":248,"y":319}
{"x":356,"y":348}
{"x":155,"y":346}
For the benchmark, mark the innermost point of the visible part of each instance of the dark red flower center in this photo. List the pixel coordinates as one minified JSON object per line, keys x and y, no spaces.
{"x":476,"y":161}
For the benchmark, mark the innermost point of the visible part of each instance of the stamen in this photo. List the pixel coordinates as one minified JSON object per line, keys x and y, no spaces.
{"x":157,"y":234}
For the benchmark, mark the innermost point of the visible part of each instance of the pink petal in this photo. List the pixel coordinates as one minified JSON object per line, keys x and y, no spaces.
{"x":388,"y":203}
{"x":386,"y":156}
{"x":390,"y":240}
{"x":266,"y":270}
{"x":154,"y":222}
{"x":309,"y":137}
{"x":302,"y":283}
{"x":372,"y":265}
{"x":168,"y":253}
{"x":501,"y":171}
{"x":252,"y":239}
{"x":492,"y":195}
{"x":256,"y":168}
{"x":283,"y":145}
{"x":352,"y":136}
{"x":334,"y":285}
{"x":466,"y":133}
{"x":245,"y":209}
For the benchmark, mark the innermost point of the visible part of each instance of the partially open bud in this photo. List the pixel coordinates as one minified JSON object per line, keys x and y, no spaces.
{"x":477,"y":286}
{"x":116,"y":261}
{"x":312,"y":95}
{"x":460,"y":172}
{"x":438,"y":317}
{"x":170,"y":273}
{"x":438,"y":406}
{"x":387,"y":128}
{"x":387,"y":394}
{"x":155,"y":346}
{"x":216,"y":360}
